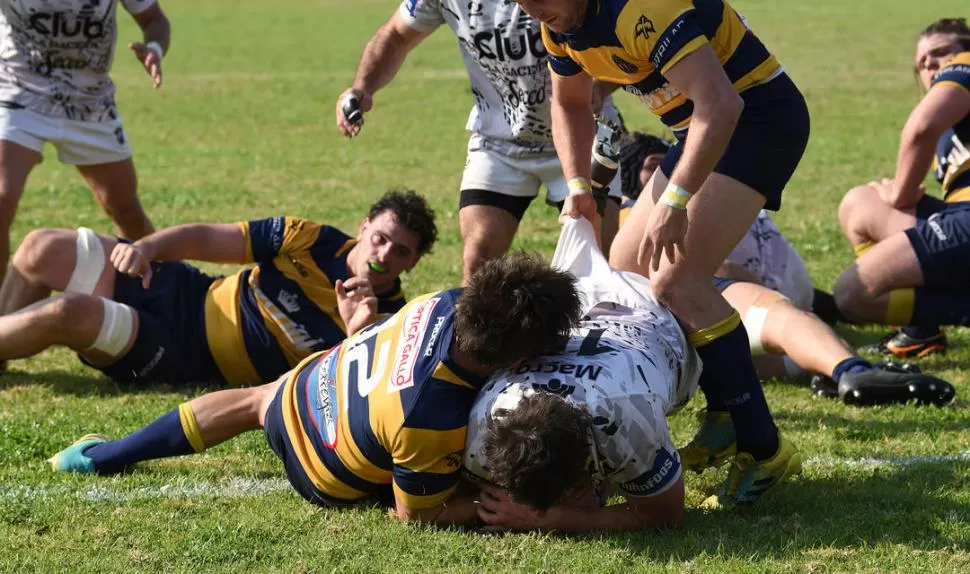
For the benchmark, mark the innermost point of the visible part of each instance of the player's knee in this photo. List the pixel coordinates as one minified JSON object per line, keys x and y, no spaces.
{"x":854,"y":203}
{"x":684,"y":296}
{"x":475,"y":253}
{"x":37,"y":247}
{"x":69,"y":313}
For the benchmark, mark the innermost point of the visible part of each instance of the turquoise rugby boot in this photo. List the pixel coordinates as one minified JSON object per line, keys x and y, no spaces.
{"x":713,"y":444}
{"x":748,"y":480}
{"x":72,"y":458}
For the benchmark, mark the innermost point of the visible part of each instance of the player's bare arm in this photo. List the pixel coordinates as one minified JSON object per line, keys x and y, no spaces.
{"x":573,"y":129}
{"x":157,"y":36}
{"x":942,"y":108}
{"x":459,"y":510}
{"x":212,"y":242}
{"x":717,"y":108}
{"x":664,"y":510}
{"x":381,"y":60}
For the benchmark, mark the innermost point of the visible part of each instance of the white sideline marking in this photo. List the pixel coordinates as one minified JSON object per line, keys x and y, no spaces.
{"x":257,"y":487}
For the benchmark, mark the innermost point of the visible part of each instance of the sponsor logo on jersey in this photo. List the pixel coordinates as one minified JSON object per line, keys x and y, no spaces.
{"x":556,"y":387}
{"x":643,"y":28}
{"x":66,"y":25}
{"x":429,"y":348}
{"x":666,"y":40}
{"x":657,"y":478}
{"x":623,"y":65}
{"x":289,"y":301}
{"x":327,"y":398}
{"x":408,"y":344}
{"x":591,"y":372}
{"x":492,"y":46}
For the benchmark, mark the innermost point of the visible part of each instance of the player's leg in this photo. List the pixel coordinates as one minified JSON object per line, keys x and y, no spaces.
{"x":115,"y":186}
{"x":58,"y":260}
{"x":918,"y":277}
{"x":190,"y":428}
{"x":494,"y":196}
{"x":16,"y":162}
{"x":867,"y":219}
{"x":102,"y":154}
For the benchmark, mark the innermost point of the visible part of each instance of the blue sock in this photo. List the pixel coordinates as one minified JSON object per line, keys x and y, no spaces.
{"x":173,"y":434}
{"x":851,"y":365}
{"x":921,"y":331}
{"x":730,"y":375}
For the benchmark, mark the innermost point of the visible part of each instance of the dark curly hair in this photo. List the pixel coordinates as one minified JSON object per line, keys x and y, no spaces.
{"x":412,"y":211}
{"x":956,"y":26}
{"x":635,"y":148}
{"x":514,"y":307}
{"x":538,"y":452}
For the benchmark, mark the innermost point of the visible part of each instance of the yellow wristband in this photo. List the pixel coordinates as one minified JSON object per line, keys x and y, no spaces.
{"x":675,"y":196}
{"x":579,"y":186}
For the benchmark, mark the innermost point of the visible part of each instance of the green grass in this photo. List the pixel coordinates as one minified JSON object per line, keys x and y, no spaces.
{"x":244,"y":128}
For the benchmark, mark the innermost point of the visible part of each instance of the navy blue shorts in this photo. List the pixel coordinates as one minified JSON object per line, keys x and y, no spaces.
{"x":941,"y":239}
{"x":171,"y":344}
{"x":767,"y":143}
{"x":722,"y":283}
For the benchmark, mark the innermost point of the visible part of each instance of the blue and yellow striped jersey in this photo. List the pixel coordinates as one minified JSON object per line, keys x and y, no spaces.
{"x":634,"y":42}
{"x":953,"y":149}
{"x":386,"y":408}
{"x":262,"y":321}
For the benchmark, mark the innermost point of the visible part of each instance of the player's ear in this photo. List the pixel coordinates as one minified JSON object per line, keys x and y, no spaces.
{"x":363,"y":225}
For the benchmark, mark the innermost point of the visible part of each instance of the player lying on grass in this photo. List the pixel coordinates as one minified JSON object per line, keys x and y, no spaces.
{"x":914,"y":249}
{"x":383,"y":415}
{"x":138,"y":313}
{"x":765,"y":280}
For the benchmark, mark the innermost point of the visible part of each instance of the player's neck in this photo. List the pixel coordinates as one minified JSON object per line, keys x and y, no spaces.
{"x":465,"y":361}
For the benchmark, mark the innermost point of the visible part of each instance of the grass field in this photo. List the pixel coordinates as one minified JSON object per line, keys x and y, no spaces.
{"x":243,"y":128}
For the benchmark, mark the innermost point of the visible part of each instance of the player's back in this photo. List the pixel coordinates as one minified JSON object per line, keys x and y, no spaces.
{"x":952,"y":155}
{"x":388,"y":406}
{"x":624,"y":368}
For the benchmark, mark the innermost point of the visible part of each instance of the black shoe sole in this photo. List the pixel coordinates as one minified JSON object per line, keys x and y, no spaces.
{"x":866,"y":389}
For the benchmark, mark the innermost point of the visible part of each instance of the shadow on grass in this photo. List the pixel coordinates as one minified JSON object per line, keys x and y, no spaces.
{"x":96,"y":384}
{"x":907,"y":506}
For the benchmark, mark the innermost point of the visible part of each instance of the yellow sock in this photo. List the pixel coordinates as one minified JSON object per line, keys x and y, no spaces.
{"x":862,"y":247}
{"x":899,"y":311}
{"x":190,"y":427}
{"x":705,"y":336}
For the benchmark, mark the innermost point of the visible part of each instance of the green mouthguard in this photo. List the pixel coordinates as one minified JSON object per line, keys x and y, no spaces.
{"x":375,"y":267}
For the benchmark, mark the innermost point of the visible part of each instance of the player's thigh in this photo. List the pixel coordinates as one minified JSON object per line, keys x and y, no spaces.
{"x":102,"y":154}
{"x":495,"y":192}
{"x":16,"y":162}
{"x":941,"y":246}
{"x":890,"y":264}
{"x":114,"y":184}
{"x":75,"y":261}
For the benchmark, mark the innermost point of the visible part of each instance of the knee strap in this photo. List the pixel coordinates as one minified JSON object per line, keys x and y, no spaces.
{"x":754,"y":322}
{"x":117,"y":327}
{"x":89,"y":263}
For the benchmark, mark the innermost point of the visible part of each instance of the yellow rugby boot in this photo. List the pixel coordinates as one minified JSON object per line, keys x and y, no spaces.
{"x":713,"y":444}
{"x":748,"y":480}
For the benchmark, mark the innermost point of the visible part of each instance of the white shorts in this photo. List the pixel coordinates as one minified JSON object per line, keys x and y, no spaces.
{"x":77,"y":143}
{"x":490,"y":170}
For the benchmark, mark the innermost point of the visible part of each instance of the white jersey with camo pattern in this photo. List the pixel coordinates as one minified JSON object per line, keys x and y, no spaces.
{"x":506,"y":63}
{"x":55,"y":55}
{"x":628,"y":364}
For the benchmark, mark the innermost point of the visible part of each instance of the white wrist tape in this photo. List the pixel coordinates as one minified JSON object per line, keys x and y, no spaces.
{"x":157,"y":48}
{"x":117,"y":328}
{"x":675,"y":196}
{"x":88,"y":264}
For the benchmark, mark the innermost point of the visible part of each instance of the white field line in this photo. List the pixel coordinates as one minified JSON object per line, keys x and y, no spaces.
{"x":258,"y":487}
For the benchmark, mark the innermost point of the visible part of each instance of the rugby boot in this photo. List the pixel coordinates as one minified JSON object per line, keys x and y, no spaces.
{"x":713,"y":444}
{"x":901,"y":345}
{"x":72,"y":458}
{"x":878,"y":387}
{"x":748,"y":480}
{"x":823,"y":386}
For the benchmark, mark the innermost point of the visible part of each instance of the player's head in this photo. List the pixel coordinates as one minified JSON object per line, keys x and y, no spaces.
{"x":640,"y":155}
{"x":513,"y":308}
{"x":538,"y":451}
{"x":398,"y":230}
{"x":937,"y":44}
{"x":558,"y":15}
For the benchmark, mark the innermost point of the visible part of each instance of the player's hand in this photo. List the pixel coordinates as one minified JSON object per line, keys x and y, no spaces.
{"x":364,"y":101}
{"x":498,"y":509}
{"x":356,"y":303}
{"x":150,"y":60}
{"x":132,"y":261}
{"x":665,"y":231}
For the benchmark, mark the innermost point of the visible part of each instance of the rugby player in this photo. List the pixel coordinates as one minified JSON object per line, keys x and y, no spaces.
{"x":913,"y":248}
{"x":136,"y":312}
{"x":54,"y":87}
{"x":510,"y":151}
{"x":384,"y":414}
{"x":697,"y":66}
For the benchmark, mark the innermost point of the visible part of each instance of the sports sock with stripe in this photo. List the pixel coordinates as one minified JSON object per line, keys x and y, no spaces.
{"x":173,"y":434}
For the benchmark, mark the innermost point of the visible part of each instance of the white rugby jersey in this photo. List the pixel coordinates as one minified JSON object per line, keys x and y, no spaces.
{"x":506,"y":63}
{"x":55,"y":55}
{"x":628,"y":364}
{"x":766,"y":253}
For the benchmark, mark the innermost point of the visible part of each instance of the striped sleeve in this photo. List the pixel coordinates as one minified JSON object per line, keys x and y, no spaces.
{"x":267,"y":238}
{"x":956,"y":73}
{"x":559,"y":61}
{"x":661,"y":31}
